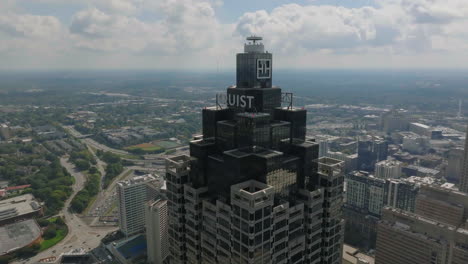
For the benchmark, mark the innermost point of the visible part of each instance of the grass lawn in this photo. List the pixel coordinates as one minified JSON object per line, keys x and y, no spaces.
{"x":130,"y":156}
{"x":61,"y":234}
{"x":146,"y":147}
{"x":166,"y":144}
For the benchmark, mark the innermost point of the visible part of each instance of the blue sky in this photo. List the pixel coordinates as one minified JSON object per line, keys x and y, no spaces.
{"x":167,"y":34}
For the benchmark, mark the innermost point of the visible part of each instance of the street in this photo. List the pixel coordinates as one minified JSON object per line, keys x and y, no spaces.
{"x":80,"y":235}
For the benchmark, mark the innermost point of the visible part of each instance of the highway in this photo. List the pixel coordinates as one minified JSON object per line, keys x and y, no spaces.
{"x":80,"y":235}
{"x":92,"y":143}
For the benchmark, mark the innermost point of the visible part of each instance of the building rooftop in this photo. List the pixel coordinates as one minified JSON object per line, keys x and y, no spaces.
{"x":17,"y":235}
{"x":423,"y":169}
{"x":130,"y":248}
{"x":388,"y":163}
{"x":353,"y":256}
{"x":421,"y":125}
{"x":17,"y":206}
{"x":137,"y":180}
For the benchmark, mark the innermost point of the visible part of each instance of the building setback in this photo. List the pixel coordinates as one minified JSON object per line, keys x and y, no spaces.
{"x":253,"y":189}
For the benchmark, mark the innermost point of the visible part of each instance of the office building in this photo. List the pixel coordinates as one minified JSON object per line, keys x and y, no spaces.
{"x":388,"y":169}
{"x":253,"y":189}
{"x":442,"y":204}
{"x":365,"y":193}
{"x":415,"y":144}
{"x":132,"y":195}
{"x":405,"y":237}
{"x":402,"y":193}
{"x":350,"y":160}
{"x":464,"y":176}
{"x":455,"y":164}
{"x":365,"y":198}
{"x":435,"y":233}
{"x":157,"y":231}
{"x":370,"y":151}
{"x":394,"y":121}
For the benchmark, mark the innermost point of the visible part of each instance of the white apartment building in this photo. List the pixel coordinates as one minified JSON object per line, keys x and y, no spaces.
{"x":132,"y":195}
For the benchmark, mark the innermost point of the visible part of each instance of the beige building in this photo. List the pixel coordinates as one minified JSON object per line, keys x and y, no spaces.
{"x":405,"y":237}
{"x":156,"y":231}
{"x":443,"y":205}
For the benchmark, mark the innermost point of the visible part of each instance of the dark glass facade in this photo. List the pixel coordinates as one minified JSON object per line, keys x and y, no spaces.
{"x":257,"y":143}
{"x":371,"y":151}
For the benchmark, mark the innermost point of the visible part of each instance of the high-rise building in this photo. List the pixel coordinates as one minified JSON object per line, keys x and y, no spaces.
{"x":253,"y":189}
{"x":401,"y":194}
{"x":350,"y":160}
{"x":365,"y":193}
{"x":442,"y":204}
{"x":157,"y":231}
{"x":455,"y":164}
{"x":388,"y":169}
{"x":370,"y":151}
{"x":405,"y":237}
{"x":132,"y":195}
{"x":464,"y":175}
{"x":394,"y":121}
{"x":435,"y":233}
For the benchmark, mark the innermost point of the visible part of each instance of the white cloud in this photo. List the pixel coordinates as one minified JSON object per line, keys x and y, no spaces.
{"x":184,"y":26}
{"x":29,"y":25}
{"x":166,"y":31}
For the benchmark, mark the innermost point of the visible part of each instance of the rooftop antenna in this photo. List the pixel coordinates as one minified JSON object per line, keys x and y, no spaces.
{"x":254,"y":39}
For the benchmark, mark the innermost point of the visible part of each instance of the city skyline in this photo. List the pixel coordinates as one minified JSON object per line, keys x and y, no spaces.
{"x":141,"y":34}
{"x":216,"y":131}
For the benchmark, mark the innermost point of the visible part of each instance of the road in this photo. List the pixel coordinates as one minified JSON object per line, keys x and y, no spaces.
{"x":92,"y":143}
{"x":106,"y":197}
{"x":79,"y":234}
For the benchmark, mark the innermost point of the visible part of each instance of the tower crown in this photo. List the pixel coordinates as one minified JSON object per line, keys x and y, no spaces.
{"x":252,"y":46}
{"x":254,"y":65}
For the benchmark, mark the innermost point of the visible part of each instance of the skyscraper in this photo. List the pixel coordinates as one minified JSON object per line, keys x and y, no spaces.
{"x":132,"y":195}
{"x":464,"y":176}
{"x":370,"y":151}
{"x":253,"y":189}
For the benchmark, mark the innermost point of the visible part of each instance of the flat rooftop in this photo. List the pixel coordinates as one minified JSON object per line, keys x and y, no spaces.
{"x":18,"y":235}
{"x":17,"y":206}
{"x":137,"y":180}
